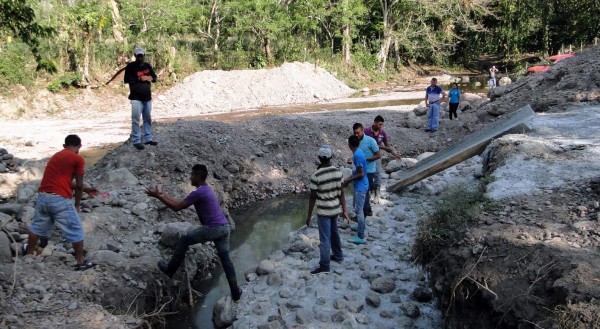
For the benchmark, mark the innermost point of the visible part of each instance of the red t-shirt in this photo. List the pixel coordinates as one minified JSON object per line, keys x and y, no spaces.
{"x":60,"y":171}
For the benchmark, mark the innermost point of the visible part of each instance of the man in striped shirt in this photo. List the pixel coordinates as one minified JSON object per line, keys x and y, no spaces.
{"x":326,"y":191}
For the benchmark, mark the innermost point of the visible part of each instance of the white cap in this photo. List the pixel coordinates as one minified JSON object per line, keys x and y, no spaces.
{"x":325,"y":151}
{"x":139,"y":51}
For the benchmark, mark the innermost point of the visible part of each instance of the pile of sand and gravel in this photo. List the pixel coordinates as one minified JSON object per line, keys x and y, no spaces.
{"x":226,"y":91}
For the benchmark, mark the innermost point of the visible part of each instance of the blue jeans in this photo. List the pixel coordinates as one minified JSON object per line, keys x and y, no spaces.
{"x":144,"y":109}
{"x":367,"y":207}
{"x":50,"y":209}
{"x":378,"y":172}
{"x":359,"y":204}
{"x":330,"y":240}
{"x":433,"y":116}
{"x":219,"y":235}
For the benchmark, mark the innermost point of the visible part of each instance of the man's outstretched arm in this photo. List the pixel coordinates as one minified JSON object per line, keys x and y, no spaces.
{"x":175,"y":204}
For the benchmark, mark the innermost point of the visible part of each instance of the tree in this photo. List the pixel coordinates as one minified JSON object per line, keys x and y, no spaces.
{"x":18,"y":19}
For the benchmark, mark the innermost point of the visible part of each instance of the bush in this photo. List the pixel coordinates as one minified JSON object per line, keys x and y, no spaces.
{"x":456,"y":211}
{"x":67,"y":80}
{"x":17,"y":65}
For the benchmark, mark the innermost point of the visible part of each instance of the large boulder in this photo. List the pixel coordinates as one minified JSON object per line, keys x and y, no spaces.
{"x":420,"y":111}
{"x":106,"y":257}
{"x":11,"y":208}
{"x":425,"y":155}
{"x":173,"y":231}
{"x":505,"y":81}
{"x":122,"y":177}
{"x":224,"y":312}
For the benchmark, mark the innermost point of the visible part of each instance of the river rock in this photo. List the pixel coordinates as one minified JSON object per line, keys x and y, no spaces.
{"x":24,"y":194}
{"x":504,"y":81}
{"x":304,"y":316}
{"x":465,"y":79}
{"x":420,"y":111}
{"x":422,"y":295}
{"x":11,"y":208}
{"x":173,"y":231}
{"x":5,"y":253}
{"x":393,"y":166}
{"x":274,"y":279}
{"x":373,"y":299}
{"x":410,"y":309}
{"x":224,"y":312}
{"x":122,"y":177}
{"x":106,"y":257}
{"x":265,"y":267}
{"x":383,"y":285}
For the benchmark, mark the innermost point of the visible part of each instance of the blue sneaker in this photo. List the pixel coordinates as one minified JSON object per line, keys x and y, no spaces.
{"x":354,"y":227}
{"x":357,"y":240}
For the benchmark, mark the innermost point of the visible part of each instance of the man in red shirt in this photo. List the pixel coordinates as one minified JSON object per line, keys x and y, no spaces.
{"x":54,"y":202}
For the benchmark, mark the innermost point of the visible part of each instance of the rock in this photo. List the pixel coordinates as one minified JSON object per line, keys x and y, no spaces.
{"x":265,"y":267}
{"x":24,"y":194}
{"x":122,"y":177}
{"x":346,"y":172}
{"x":410,"y":309}
{"x":465,"y":79}
{"x":420,"y":111}
{"x":106,"y":257}
{"x":5,"y":253}
{"x":224,"y":313}
{"x":304,"y":316}
{"x":232,"y":168}
{"x":173,"y":231}
{"x":393,"y":166}
{"x":274,"y":279}
{"x":383,"y":285}
{"x":504,"y":81}
{"x":422,"y":295}
{"x":11,"y":208}
{"x":139,"y":208}
{"x":373,"y":299}
{"x":340,"y":316}
{"x":73,"y":306}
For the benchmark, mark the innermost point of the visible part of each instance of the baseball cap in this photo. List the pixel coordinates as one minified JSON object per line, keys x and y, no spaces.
{"x":325,"y":151}
{"x":139,"y":51}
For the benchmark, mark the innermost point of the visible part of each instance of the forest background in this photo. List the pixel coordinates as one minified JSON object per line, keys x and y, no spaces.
{"x":65,"y":43}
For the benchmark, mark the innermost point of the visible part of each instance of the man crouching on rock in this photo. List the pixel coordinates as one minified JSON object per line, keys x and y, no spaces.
{"x":215,"y":226}
{"x":326,"y":191}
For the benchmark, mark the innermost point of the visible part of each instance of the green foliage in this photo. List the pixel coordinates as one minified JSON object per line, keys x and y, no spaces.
{"x":457,"y":209}
{"x":15,"y":66}
{"x":63,"y":82}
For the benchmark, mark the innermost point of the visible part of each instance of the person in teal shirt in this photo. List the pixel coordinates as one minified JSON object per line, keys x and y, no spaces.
{"x":371,"y":150}
{"x":454,"y":95}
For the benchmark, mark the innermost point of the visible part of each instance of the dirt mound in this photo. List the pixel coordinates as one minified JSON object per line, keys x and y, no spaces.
{"x":573,"y":80}
{"x":225,"y":91}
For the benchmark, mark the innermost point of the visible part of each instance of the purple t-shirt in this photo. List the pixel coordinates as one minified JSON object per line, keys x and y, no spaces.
{"x":381,"y":138}
{"x":207,"y":206}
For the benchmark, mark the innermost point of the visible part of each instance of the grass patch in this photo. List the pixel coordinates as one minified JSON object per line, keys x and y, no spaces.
{"x":456,"y":211}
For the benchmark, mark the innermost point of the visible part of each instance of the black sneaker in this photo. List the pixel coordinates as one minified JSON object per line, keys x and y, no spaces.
{"x":139,"y":146}
{"x":333,"y":259}
{"x":236,"y":297}
{"x":427,"y":130}
{"x":153,"y":143}
{"x":319,"y":270}
{"x":163,"y":265}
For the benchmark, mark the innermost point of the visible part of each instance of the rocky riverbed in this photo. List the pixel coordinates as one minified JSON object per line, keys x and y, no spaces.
{"x":530,"y":259}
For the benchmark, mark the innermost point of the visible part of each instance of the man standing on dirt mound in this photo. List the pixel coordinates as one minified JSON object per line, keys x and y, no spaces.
{"x":432,"y":100}
{"x":215,"y":226}
{"x":376,"y":132}
{"x":326,"y":191}
{"x":140,"y":75}
{"x":54,"y":202}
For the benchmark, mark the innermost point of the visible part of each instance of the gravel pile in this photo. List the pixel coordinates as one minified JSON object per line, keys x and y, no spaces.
{"x":227,"y":91}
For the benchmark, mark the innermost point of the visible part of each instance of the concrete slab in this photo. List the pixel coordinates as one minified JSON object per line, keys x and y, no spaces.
{"x":512,"y":123}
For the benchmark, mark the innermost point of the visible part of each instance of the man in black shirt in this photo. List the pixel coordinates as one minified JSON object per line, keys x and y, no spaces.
{"x":139,"y":75}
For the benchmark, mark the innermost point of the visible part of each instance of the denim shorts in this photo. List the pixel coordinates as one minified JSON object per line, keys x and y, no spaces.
{"x":50,"y":209}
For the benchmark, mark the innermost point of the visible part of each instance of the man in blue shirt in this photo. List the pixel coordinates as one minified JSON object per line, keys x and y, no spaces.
{"x":432,"y":100}
{"x":370,"y":148}
{"x":361,"y":186}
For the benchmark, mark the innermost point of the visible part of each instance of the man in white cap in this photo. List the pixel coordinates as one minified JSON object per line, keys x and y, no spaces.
{"x":326,"y":191}
{"x":139,"y":75}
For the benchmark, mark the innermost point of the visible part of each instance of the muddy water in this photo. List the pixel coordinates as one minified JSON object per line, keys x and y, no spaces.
{"x":261,"y":229}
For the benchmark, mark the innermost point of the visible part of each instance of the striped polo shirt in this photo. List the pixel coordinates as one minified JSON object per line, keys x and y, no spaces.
{"x":327,"y":182}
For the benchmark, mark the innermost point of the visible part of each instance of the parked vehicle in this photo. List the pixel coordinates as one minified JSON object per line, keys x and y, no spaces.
{"x":545,"y":65}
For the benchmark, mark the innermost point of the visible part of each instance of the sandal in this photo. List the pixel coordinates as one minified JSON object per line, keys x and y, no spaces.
{"x":86,"y":265}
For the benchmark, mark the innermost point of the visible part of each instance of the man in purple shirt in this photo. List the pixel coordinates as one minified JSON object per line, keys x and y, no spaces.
{"x":215,"y":226}
{"x":376,"y":132}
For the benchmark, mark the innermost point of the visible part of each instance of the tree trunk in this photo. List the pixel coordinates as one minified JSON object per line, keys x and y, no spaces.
{"x":267,"y":47}
{"x":347,"y":44}
{"x":86,"y":56}
{"x":117,"y":27}
{"x":384,"y":50}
